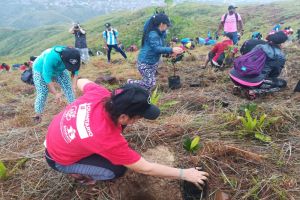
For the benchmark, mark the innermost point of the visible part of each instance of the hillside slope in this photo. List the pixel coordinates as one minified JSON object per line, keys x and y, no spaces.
{"x":189,"y":19}
{"x":243,"y":167}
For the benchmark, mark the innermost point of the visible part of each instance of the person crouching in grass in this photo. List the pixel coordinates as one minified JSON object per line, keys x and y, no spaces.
{"x":85,"y":140}
{"x":217,"y":55}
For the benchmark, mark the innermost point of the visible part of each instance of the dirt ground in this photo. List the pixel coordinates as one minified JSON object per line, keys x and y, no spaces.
{"x":242,"y":167}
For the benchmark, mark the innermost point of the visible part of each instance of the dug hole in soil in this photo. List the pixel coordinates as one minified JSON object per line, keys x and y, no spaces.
{"x":136,"y":186}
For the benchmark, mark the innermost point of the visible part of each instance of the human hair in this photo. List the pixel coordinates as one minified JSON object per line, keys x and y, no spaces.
{"x":153,"y":25}
{"x":114,"y":110}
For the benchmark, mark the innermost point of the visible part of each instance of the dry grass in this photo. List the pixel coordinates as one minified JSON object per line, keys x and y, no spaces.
{"x":198,"y":111}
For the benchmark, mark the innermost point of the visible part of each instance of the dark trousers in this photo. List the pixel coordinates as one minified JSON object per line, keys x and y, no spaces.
{"x":117,"y":48}
{"x":267,"y":84}
{"x":94,"y":166}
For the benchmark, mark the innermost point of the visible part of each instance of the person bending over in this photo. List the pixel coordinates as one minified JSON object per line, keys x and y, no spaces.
{"x":85,"y":139}
{"x":54,"y":65}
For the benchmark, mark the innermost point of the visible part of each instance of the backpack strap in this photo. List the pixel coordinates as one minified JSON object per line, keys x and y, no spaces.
{"x":225,"y":17}
{"x":236,"y":18}
{"x":114,"y":32}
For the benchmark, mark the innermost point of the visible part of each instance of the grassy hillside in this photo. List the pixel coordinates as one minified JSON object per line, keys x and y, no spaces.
{"x":239,"y":163}
{"x":189,"y":19}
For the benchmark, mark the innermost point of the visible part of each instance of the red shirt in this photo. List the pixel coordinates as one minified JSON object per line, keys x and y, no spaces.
{"x":23,"y":67}
{"x":85,"y":128}
{"x":7,"y":67}
{"x":220,"y":47}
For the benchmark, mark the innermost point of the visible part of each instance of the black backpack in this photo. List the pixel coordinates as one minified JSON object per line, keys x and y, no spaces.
{"x":27,"y":76}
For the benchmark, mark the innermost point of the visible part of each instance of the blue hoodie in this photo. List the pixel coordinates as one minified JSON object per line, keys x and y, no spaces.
{"x":153,"y":48}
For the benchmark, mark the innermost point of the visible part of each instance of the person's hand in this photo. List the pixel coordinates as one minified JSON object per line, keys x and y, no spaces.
{"x":195,"y":176}
{"x":242,"y":32}
{"x":58,"y":97}
{"x":177,"y":50}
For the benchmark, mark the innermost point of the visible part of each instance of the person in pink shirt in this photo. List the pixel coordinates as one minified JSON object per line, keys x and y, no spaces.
{"x":231,"y":22}
{"x":85,"y":140}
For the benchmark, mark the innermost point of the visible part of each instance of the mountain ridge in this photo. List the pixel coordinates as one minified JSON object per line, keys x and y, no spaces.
{"x":189,"y":19}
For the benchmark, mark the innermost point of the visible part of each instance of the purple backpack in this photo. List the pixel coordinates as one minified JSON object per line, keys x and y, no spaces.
{"x":251,"y":63}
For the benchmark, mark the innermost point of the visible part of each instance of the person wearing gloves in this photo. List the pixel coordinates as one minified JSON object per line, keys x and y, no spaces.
{"x":85,"y":139}
{"x":54,"y":65}
{"x":153,"y":46}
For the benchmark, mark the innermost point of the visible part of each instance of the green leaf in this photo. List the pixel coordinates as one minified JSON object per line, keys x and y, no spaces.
{"x":187,"y":144}
{"x":155,"y":96}
{"x":195,"y":142}
{"x":3,"y":171}
{"x":252,"y":107}
{"x":243,"y":120}
{"x":262,"y":137}
{"x":262,"y":120}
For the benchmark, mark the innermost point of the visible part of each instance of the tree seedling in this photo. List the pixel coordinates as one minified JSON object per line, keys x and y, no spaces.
{"x":252,"y":107}
{"x":3,"y":171}
{"x":254,"y":126}
{"x":191,"y":145}
{"x":155,"y":96}
{"x":6,"y":173}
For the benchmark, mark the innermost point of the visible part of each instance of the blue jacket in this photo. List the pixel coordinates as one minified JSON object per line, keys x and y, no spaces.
{"x":153,"y":48}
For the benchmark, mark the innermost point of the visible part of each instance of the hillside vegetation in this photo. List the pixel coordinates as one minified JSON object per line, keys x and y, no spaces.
{"x":189,"y":19}
{"x":260,"y":162}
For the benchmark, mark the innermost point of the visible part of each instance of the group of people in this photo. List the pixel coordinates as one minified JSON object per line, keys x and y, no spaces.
{"x":110,"y":38}
{"x":85,"y":139}
{"x":4,"y":67}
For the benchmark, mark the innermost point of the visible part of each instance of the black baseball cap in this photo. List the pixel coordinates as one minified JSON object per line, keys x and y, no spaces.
{"x":132,"y":99}
{"x":162,"y":18}
{"x":232,"y":7}
{"x":107,"y":25}
{"x":71,"y":58}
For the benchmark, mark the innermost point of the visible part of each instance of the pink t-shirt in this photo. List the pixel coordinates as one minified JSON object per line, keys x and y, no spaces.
{"x":230,"y":23}
{"x":85,"y":128}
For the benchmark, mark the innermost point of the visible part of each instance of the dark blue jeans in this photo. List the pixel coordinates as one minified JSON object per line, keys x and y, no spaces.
{"x":235,"y":37}
{"x":117,"y":48}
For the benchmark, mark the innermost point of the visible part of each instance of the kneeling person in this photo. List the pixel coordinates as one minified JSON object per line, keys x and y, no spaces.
{"x":86,"y":141}
{"x":266,"y":80}
{"x":217,"y":55}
